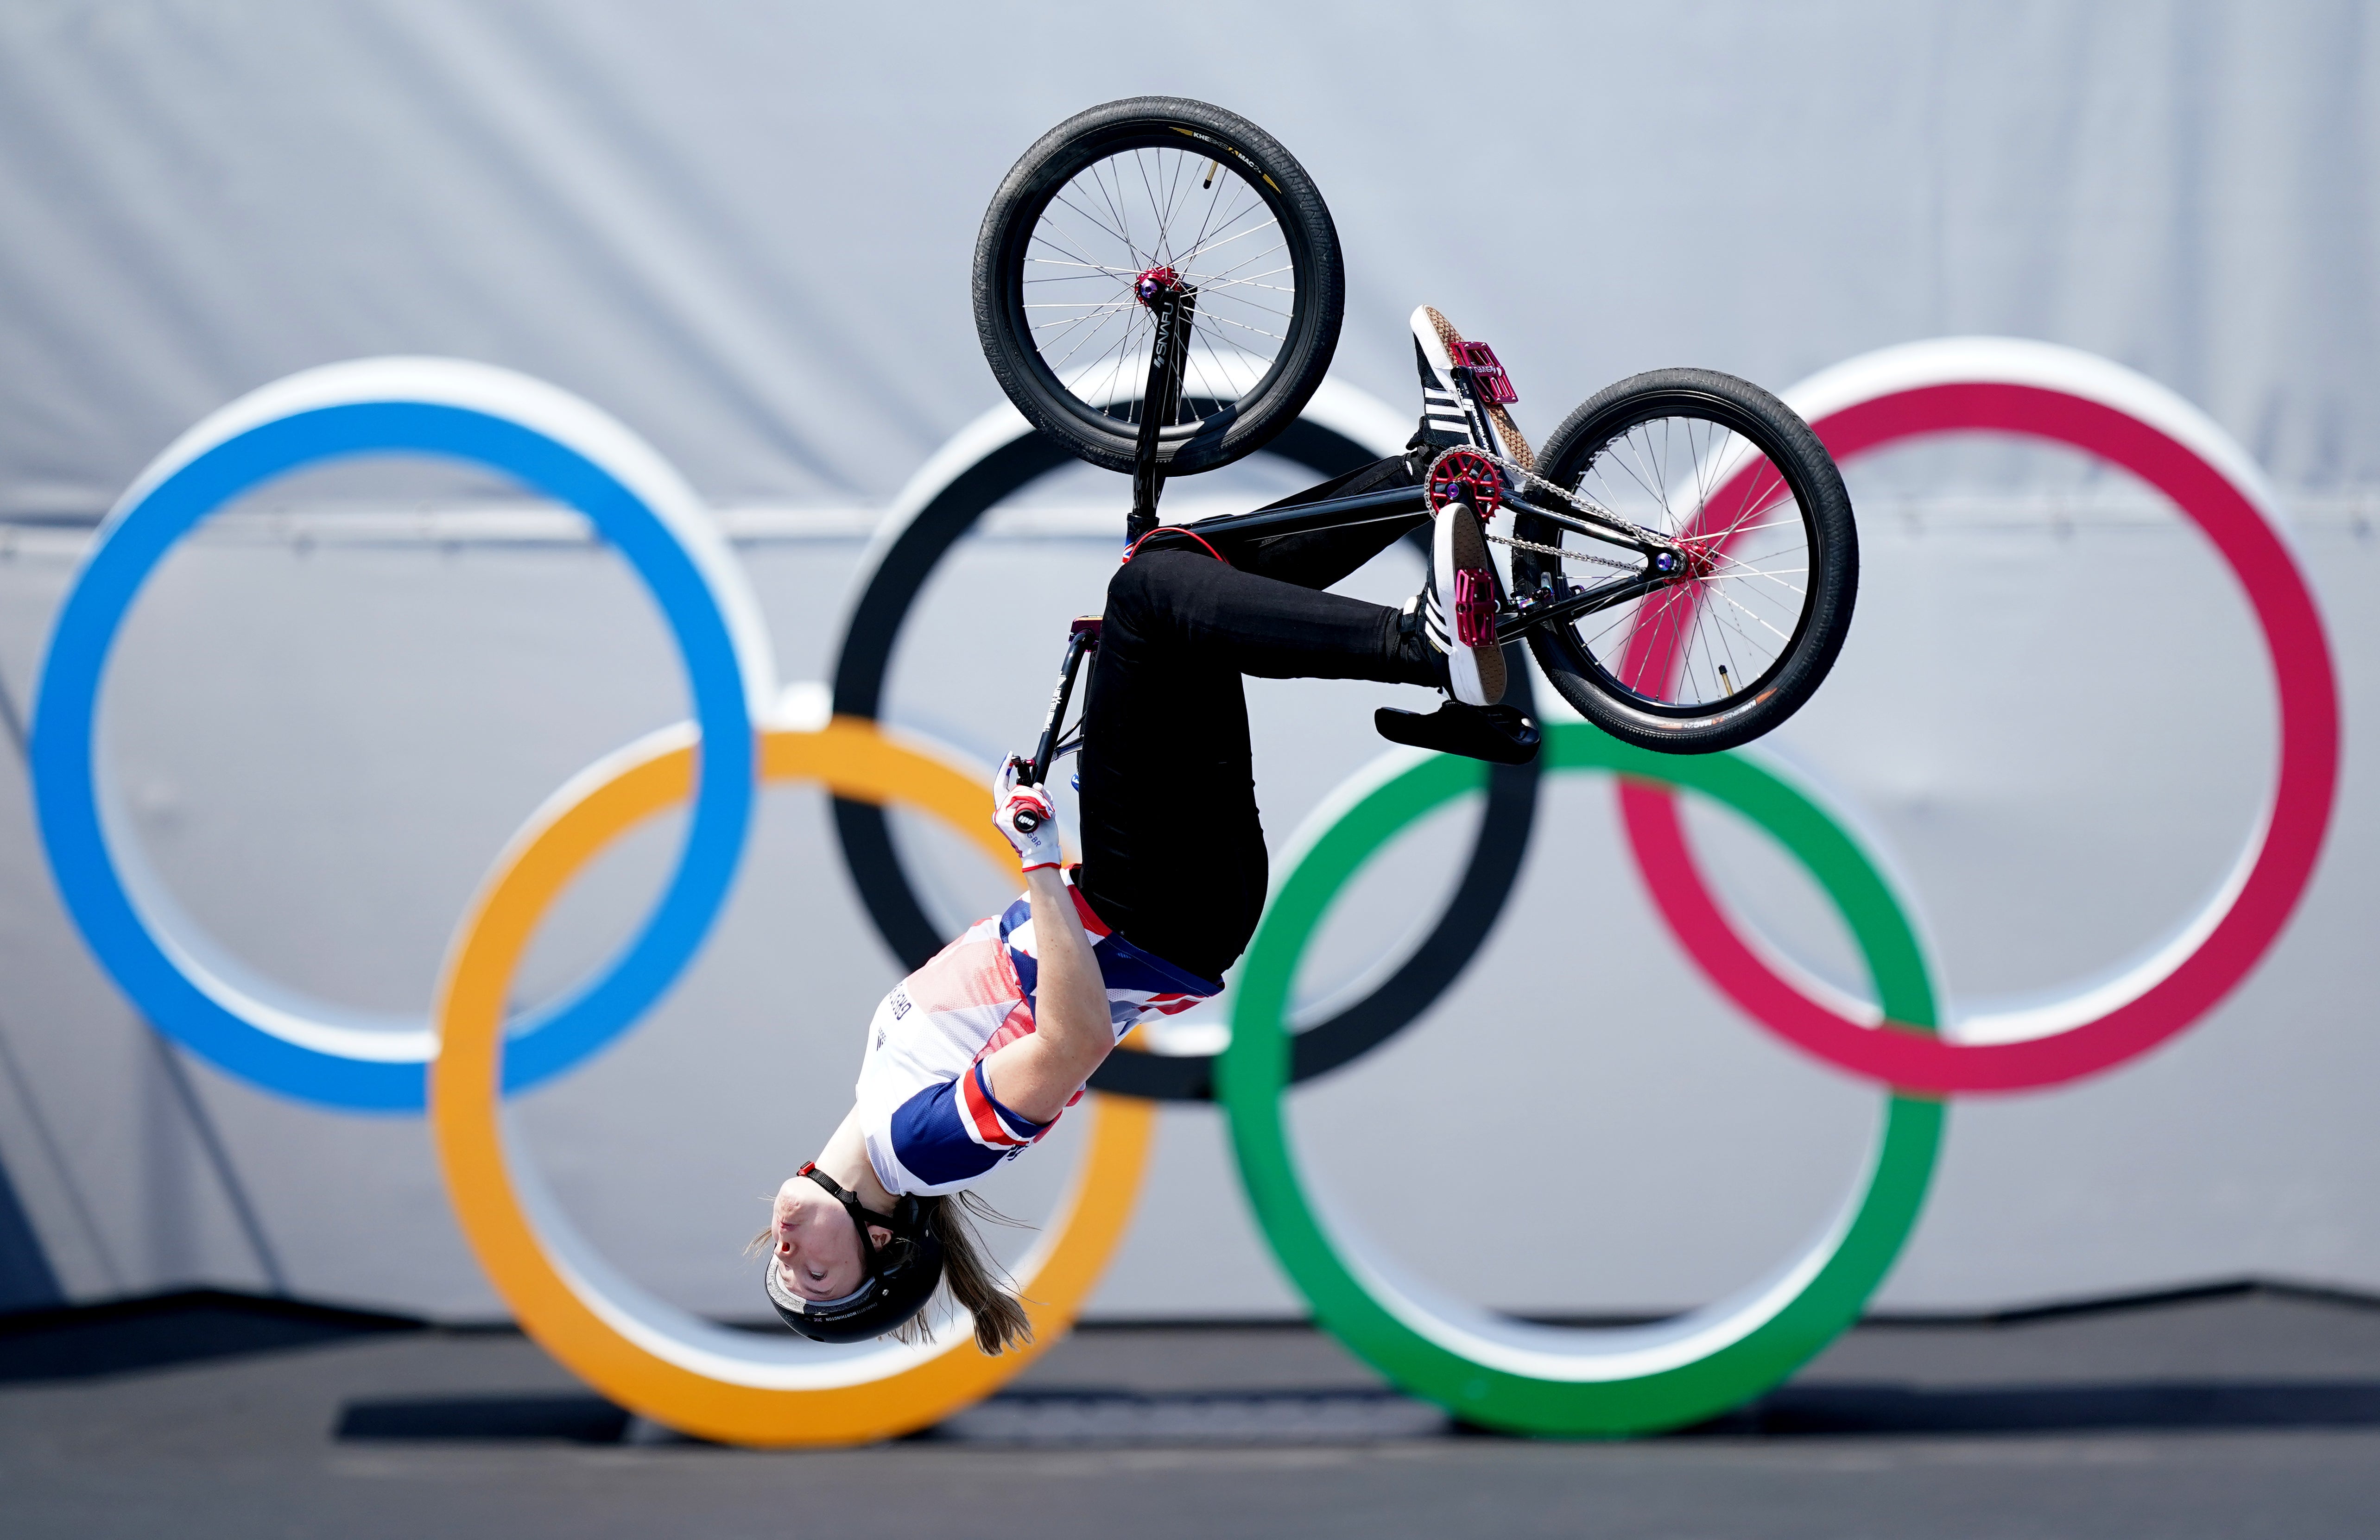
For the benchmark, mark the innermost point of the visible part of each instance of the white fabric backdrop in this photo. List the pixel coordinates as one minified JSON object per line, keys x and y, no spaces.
{"x":746,"y":228}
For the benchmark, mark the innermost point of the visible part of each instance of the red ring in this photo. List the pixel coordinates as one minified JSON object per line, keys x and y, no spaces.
{"x":2255,"y":910}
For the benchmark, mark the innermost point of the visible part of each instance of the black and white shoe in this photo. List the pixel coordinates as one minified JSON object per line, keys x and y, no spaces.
{"x":1454,"y":614}
{"x":1447,"y":418}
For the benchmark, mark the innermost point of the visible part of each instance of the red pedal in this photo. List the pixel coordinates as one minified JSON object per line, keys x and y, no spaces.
{"x":1474,"y":608}
{"x":1486,"y":375}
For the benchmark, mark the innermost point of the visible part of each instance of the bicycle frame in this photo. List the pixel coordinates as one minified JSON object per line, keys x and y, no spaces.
{"x":1174,"y":305}
{"x":1081,"y":638}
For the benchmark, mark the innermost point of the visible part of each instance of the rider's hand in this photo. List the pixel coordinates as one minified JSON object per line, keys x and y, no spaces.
{"x":1026,"y":816}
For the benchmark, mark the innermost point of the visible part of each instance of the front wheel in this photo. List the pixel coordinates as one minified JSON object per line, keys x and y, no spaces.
{"x":1726,"y":634}
{"x":1163,"y":189}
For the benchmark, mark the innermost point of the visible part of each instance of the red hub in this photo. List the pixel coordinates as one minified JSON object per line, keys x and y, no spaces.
{"x":1155,"y":281}
{"x":1466,"y":476}
{"x":1692,"y":561}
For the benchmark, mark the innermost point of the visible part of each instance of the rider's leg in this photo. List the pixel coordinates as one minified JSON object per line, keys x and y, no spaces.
{"x":1183,"y":603}
{"x":1174,"y":853}
{"x":1318,"y":558}
{"x":1474,"y":665}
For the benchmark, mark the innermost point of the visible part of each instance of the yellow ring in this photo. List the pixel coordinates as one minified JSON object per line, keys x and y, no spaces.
{"x":737,"y":1387}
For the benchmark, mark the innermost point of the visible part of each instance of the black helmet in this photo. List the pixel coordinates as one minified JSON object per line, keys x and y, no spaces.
{"x":901,"y":1277}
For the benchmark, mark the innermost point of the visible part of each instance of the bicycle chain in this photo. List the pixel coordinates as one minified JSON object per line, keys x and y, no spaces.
{"x":1555,"y":551}
{"x":1583,"y":504}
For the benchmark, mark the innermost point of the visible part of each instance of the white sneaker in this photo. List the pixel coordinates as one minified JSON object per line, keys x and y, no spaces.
{"x":1457,"y":608}
{"x":1446,"y":415}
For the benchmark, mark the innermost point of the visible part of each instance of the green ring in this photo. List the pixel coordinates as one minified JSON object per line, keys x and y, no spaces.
{"x":1546,"y":1380}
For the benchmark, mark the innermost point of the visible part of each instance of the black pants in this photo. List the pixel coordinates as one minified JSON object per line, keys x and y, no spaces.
{"x":1173,"y":852}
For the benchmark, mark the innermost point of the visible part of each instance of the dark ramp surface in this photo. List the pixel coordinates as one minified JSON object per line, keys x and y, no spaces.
{"x":185,"y":1327}
{"x":2251,"y":1415}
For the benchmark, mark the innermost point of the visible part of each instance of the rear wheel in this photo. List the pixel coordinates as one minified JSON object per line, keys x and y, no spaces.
{"x":1157,"y":184}
{"x":1764,"y":563}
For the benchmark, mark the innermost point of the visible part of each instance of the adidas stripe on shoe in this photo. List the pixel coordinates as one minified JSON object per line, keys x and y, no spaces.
{"x":1457,"y":606}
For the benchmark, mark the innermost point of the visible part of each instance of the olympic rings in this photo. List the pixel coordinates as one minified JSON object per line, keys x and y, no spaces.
{"x":992,"y":459}
{"x":547,"y":439}
{"x":1532,"y":1379}
{"x":765,"y":1391}
{"x":673,"y":1366}
{"x":2062,"y":397}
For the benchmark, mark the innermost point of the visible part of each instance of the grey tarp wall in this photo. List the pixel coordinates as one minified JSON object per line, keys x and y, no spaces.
{"x":744,"y":230}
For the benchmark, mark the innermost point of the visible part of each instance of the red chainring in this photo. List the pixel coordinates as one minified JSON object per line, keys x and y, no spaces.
{"x":1466,"y":476}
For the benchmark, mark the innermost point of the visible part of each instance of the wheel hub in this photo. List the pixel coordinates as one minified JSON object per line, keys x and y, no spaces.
{"x":1154,"y":283}
{"x":1690,"y":561}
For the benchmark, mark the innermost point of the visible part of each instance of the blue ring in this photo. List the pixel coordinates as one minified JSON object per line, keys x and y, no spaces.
{"x":546,"y":1041}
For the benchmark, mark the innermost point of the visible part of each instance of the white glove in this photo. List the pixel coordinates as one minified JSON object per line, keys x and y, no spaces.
{"x":1027,"y":817}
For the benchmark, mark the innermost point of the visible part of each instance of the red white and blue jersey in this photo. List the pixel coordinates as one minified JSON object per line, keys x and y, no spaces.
{"x":932,"y":1122}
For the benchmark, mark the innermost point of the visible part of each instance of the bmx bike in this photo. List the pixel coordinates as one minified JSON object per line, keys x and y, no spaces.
{"x":1158,"y":287}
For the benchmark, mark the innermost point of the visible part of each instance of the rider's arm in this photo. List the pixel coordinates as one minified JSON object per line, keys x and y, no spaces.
{"x":1036,"y":1075}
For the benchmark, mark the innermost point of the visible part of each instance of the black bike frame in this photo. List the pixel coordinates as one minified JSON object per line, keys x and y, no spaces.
{"x":1515,"y":616}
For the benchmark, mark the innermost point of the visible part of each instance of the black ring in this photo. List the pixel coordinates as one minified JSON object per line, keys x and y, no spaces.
{"x":907,"y":556}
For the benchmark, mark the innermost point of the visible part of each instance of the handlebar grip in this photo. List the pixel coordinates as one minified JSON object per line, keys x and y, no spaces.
{"x":1026,"y":820}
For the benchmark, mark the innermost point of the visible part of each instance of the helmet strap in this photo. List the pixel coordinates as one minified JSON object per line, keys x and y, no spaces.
{"x":862,"y":1218}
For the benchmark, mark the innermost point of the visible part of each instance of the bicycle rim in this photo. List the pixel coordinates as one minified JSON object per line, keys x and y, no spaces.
{"x":1149,"y":207}
{"x":1707,"y":474}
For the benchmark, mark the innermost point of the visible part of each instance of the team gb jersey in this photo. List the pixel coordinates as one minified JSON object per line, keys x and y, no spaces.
{"x":932,"y":1122}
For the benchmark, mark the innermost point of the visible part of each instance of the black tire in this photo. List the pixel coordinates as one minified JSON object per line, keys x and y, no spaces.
{"x":1734,"y":646}
{"x":1243,"y":381}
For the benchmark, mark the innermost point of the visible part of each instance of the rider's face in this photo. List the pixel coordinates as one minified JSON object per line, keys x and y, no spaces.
{"x":817,"y":1250}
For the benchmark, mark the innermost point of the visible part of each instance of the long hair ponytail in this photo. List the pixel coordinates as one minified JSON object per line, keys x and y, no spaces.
{"x":975,"y":1281}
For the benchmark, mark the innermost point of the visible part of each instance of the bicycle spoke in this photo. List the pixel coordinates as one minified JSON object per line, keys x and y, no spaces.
{"x":1217,"y":246}
{"x":1207,"y":222}
{"x":1726,"y":600}
{"x":1222,"y":320}
{"x":1724,"y":624}
{"x":1140,"y":167}
{"x":1203,"y":329}
{"x":1122,"y":275}
{"x":1142,"y":208}
{"x":1730,"y":650}
{"x":1097,"y":223}
{"x":1769,"y":574}
{"x":1087,"y":336}
{"x":1173,"y":206}
{"x":1223,"y":277}
{"x":1210,"y":232}
{"x":1111,"y":192}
